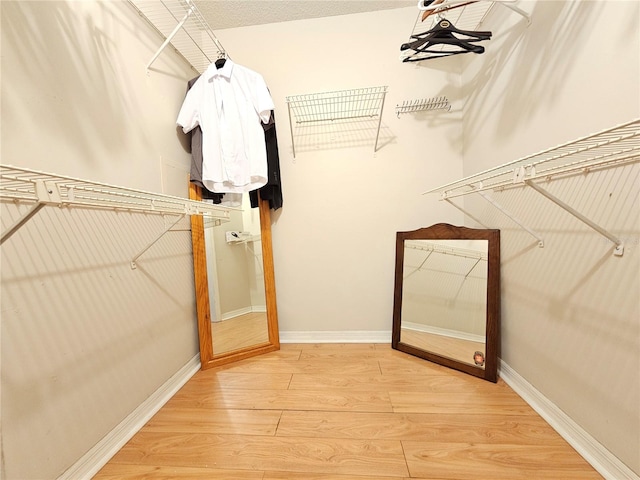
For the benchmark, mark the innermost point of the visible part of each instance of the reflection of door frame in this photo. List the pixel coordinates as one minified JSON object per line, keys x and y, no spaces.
{"x":212,"y":268}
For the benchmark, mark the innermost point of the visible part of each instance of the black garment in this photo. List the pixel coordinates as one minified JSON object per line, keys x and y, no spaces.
{"x":272,"y":191}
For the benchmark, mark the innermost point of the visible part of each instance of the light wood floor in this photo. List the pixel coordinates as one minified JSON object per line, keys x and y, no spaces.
{"x":450,"y":347}
{"x":239,"y":332}
{"x":345,"y":412}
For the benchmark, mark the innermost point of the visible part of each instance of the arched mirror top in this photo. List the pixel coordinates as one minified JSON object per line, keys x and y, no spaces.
{"x":228,"y":259}
{"x":447,"y":297}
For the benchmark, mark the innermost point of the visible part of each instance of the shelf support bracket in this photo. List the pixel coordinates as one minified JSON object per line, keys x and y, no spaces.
{"x":133,"y":262}
{"x":47,"y":193}
{"x":21,"y":221}
{"x":384,"y":95}
{"x":293,"y":145}
{"x":533,"y":233}
{"x":466,"y":213}
{"x":170,"y":37}
{"x":619,"y":246}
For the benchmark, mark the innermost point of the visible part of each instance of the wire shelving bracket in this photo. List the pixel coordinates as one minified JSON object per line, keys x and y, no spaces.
{"x":424,"y":104}
{"x":616,"y":146}
{"x":39,"y":189}
{"x":337,"y":105}
{"x":181,"y":24}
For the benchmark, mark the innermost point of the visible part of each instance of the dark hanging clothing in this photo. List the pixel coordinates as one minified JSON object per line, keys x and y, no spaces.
{"x":272,"y":191}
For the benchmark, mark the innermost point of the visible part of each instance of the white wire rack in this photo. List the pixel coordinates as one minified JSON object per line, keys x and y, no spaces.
{"x":39,"y":189}
{"x":337,"y":105}
{"x":615,"y":146}
{"x":181,"y":24}
{"x":424,"y":104}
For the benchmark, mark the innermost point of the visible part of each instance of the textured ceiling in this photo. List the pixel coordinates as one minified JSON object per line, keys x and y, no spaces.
{"x":221,"y":14}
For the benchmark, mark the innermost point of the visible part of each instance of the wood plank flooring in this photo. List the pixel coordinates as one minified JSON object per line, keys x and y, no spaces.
{"x":345,"y":412}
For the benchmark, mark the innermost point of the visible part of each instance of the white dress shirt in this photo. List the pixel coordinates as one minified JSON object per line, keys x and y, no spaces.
{"x":228,"y":104}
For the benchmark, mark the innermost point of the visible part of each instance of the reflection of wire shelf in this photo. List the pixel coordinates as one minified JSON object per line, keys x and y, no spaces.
{"x":180,"y":23}
{"x":38,"y":189}
{"x":425,"y":104}
{"x":446,"y":249}
{"x":339,"y":105}
{"x":616,"y":146}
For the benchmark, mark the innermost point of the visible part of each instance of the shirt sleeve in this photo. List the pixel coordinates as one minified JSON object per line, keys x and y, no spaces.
{"x":262,"y":99}
{"x":189,"y":116}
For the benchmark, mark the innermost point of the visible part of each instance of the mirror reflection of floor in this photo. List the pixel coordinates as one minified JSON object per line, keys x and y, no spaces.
{"x":239,"y":332}
{"x":450,"y":347}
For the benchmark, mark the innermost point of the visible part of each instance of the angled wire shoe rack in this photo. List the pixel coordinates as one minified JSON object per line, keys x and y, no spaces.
{"x":360,"y":103}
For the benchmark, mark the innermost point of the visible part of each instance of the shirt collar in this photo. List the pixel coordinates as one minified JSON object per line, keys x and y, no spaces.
{"x":225,"y":71}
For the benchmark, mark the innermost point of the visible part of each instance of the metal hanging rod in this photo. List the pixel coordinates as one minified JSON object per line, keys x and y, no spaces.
{"x":411,"y":106}
{"x":181,"y":25}
{"x":337,"y":105}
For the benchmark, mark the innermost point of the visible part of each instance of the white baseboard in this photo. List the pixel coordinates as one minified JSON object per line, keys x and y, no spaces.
{"x":605,"y":463}
{"x":354,"y":336}
{"x":96,"y":458}
{"x":446,"y":332}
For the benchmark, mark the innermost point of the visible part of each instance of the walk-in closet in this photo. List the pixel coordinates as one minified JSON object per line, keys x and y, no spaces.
{"x":320,"y":240}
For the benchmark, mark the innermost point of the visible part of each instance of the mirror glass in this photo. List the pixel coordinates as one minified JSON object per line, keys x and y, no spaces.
{"x":235,"y":275}
{"x":446,"y":305}
{"x":235,"y":283}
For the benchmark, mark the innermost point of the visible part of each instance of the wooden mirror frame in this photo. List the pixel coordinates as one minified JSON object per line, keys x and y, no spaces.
{"x":208,"y":358}
{"x":442,"y":231}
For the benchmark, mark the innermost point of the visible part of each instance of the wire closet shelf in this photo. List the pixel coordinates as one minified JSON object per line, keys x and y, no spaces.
{"x":353,"y":104}
{"x":614,"y":146}
{"x":181,"y":24}
{"x":36,"y":189}
{"x":609,"y":148}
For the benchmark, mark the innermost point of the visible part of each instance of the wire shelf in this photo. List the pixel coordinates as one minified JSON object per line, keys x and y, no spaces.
{"x":338,"y":105}
{"x":613,"y":147}
{"x":412,"y":106}
{"x":617,"y":145}
{"x":181,"y":24}
{"x":38,"y":189}
{"x":354,"y":104}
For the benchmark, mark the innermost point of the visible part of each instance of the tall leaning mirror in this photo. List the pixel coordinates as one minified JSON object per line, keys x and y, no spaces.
{"x":235,"y":284}
{"x":447,"y":297}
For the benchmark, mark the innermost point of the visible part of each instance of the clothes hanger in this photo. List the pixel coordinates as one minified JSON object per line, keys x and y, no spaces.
{"x":444,"y":34}
{"x":427,"y":13}
{"x":222,"y":59}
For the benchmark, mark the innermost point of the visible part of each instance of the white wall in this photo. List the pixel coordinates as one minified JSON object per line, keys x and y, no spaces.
{"x":334,"y":238}
{"x":86,"y":339}
{"x":571,"y":310}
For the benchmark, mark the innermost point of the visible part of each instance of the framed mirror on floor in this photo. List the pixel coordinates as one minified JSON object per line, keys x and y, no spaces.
{"x":447,"y":297}
{"x":235,"y":284}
